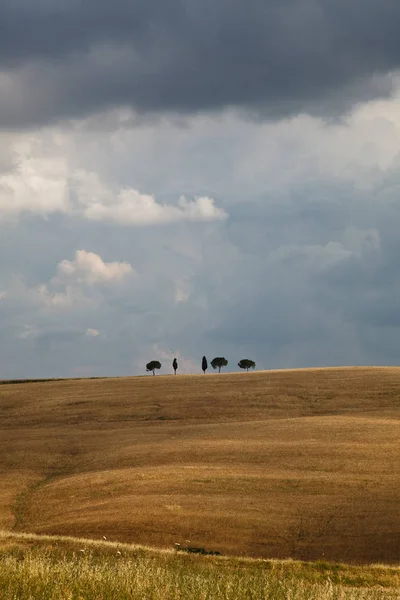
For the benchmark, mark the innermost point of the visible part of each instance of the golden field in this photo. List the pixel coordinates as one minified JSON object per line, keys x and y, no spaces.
{"x":301,"y":464}
{"x":63,"y":568}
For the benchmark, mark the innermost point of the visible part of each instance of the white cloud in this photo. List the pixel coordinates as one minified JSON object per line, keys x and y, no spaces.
{"x":73,"y":286}
{"x":182,"y":290}
{"x":316,"y":257}
{"x":92,"y":333}
{"x":41,"y":179}
{"x":35,"y":180}
{"x":128,"y":206}
{"x":51,"y":298}
{"x":28,"y":331}
{"x":186,"y":365}
{"x":89,"y":268}
{"x":357,"y":244}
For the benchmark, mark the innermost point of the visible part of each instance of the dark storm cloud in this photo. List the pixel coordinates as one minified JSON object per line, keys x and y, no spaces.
{"x":269,"y":57}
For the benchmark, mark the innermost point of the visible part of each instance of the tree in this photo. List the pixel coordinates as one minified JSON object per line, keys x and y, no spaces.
{"x":247,"y":364}
{"x":204,"y":365}
{"x":152,"y":366}
{"x":175,"y":365}
{"x":218,"y":363}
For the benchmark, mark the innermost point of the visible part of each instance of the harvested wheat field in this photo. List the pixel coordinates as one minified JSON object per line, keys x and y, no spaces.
{"x":301,"y":464}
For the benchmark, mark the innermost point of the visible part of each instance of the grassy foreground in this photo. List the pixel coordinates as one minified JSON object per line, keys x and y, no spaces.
{"x":61,"y":568}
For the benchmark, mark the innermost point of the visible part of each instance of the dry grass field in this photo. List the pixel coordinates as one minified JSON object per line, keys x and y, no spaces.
{"x":301,"y":464}
{"x":62,"y":568}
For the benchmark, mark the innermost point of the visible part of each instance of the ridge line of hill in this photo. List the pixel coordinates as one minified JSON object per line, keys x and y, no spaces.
{"x":201,"y":375}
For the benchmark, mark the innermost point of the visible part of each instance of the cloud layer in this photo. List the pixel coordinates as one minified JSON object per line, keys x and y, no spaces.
{"x":171,"y":186}
{"x":265,"y":57}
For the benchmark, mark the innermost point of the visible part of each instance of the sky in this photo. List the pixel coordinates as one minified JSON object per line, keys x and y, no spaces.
{"x":182,"y":178}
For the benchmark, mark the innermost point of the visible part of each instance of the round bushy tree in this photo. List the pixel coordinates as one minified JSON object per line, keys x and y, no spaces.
{"x":247,"y":364}
{"x":218,"y":363}
{"x":152,"y":366}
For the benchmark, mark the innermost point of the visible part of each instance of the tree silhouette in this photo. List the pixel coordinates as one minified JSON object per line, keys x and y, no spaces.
{"x":152,"y":366}
{"x":175,"y":365}
{"x":247,"y":364}
{"x":204,"y":365}
{"x":218,"y":363}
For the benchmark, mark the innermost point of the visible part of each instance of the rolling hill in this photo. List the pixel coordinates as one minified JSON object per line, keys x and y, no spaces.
{"x":301,"y":464}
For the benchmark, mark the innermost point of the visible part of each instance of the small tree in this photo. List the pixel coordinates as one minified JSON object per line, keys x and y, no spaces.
{"x":152,"y":366}
{"x":218,"y":363}
{"x":204,"y":365}
{"x":175,"y":365}
{"x":247,"y":364}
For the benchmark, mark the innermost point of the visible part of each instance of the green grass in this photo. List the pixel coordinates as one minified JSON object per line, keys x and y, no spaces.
{"x":57,"y":568}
